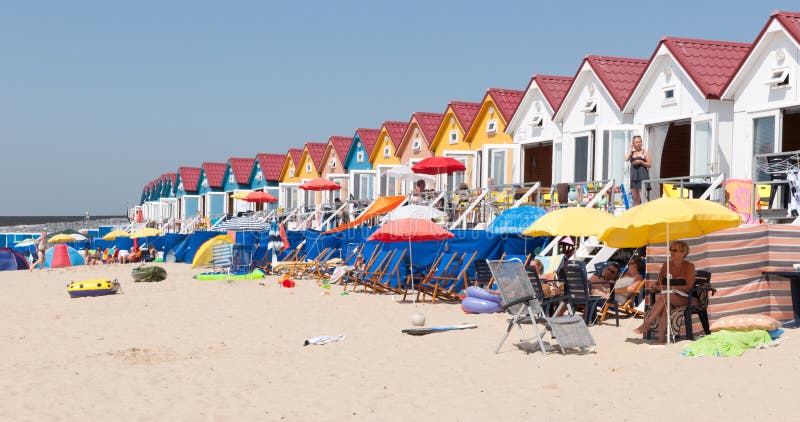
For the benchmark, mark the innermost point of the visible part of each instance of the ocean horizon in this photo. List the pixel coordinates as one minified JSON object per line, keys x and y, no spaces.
{"x":22,"y":220}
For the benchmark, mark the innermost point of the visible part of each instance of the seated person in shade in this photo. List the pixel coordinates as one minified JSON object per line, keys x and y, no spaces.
{"x":94,"y":256}
{"x":549,"y":288}
{"x":608,"y":275}
{"x":150,"y":254}
{"x":630,"y":281}
{"x":122,"y":256}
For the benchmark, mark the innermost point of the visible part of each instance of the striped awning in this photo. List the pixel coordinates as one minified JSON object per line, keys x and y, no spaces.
{"x":243,"y":224}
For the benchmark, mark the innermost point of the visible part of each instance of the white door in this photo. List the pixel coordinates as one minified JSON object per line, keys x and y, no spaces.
{"x":703,"y":147}
{"x":501,"y":164}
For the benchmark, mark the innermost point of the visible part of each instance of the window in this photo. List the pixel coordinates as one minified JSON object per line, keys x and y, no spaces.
{"x":457,"y":178}
{"x":557,"y":163}
{"x":589,"y":107}
{"x":497,"y":166}
{"x":453,"y":137}
{"x":291,"y":172}
{"x":491,"y":126}
{"x":388,"y":184}
{"x":763,"y":141}
{"x":615,"y":143}
{"x":701,"y":150}
{"x":387,"y":152}
{"x":536,"y":122}
{"x":308,"y":167}
{"x":362,"y":185}
{"x":417,"y":145}
{"x":581,"y":159}
{"x":180,"y":185}
{"x":230,"y":178}
{"x":669,"y":96}
{"x":259,"y":176}
{"x":360,"y":157}
{"x":778,"y":77}
{"x":332,"y":163}
{"x":205,"y":183}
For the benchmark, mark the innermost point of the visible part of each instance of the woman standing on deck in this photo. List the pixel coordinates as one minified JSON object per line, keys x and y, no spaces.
{"x":640,"y":163}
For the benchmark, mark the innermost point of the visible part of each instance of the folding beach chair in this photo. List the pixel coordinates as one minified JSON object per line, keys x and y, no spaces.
{"x":390,"y":280}
{"x":440,"y":266}
{"x":222,"y":257}
{"x":570,"y":331}
{"x":377,"y":266}
{"x":242,"y":259}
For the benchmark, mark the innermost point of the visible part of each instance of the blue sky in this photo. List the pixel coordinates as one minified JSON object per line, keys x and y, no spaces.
{"x":97,"y":98}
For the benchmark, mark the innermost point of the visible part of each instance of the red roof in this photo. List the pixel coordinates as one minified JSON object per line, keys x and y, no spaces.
{"x":316,"y":150}
{"x":789,"y":20}
{"x":241,"y":167}
{"x":189,"y":177}
{"x":368,"y":137}
{"x":506,"y":100}
{"x":296,"y":154}
{"x":710,"y":64}
{"x":428,"y":124}
{"x":271,"y":165}
{"x":340,"y":144}
{"x":395,"y":131}
{"x":618,"y":74}
{"x":171,"y":177}
{"x":465,"y":112}
{"x":214,"y":173}
{"x":554,"y":88}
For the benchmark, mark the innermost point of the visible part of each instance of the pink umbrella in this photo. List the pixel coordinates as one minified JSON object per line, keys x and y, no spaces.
{"x":438,"y":165}
{"x":320,"y":184}
{"x":408,"y":229}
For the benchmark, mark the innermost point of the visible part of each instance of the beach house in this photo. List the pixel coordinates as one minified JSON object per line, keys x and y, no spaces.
{"x":237,"y":179}
{"x":591,"y":114}
{"x":210,"y":188}
{"x":362,"y":175}
{"x":266,"y":176}
{"x":415,"y":145}
{"x":289,"y":179}
{"x":450,"y":141}
{"x":310,"y":168}
{"x":332,"y":165}
{"x":533,"y":129}
{"x":677,"y":107}
{"x":496,"y":154}
{"x":384,"y":155}
{"x":167,"y":209}
{"x":186,"y":184}
{"x":766,"y":103}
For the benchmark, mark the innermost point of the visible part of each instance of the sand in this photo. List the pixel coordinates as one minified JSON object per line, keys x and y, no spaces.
{"x":194,"y":350}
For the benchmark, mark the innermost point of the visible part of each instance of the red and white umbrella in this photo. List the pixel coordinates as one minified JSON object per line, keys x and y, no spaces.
{"x":320,"y":184}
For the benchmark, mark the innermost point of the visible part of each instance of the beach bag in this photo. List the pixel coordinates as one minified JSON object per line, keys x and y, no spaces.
{"x":148,"y":273}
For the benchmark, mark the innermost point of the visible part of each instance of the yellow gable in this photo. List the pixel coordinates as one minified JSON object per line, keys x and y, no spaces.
{"x":306,"y":169}
{"x":384,"y":152}
{"x":449,"y":129}
{"x":289,"y":172}
{"x":489,"y":127}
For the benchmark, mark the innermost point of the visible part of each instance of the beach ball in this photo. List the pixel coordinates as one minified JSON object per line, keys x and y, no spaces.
{"x":417,"y":319}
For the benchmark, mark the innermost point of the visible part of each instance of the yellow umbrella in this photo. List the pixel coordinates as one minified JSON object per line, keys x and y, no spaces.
{"x":667,"y":219}
{"x":572,"y":221}
{"x":115,"y":234}
{"x":145,"y":232}
{"x":241,"y":194}
{"x":62,"y":238}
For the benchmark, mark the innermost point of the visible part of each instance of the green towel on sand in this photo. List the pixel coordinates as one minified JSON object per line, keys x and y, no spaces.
{"x":727,"y":343}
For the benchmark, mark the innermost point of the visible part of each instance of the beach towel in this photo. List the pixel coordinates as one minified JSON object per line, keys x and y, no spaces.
{"x":727,"y":343}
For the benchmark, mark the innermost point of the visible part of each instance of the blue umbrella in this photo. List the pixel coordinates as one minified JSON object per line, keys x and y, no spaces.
{"x":515,"y":220}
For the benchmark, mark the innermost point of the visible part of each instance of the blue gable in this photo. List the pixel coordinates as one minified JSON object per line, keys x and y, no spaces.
{"x":202,"y":185}
{"x":229,"y":181}
{"x":350,"y":162}
{"x":179,"y":191}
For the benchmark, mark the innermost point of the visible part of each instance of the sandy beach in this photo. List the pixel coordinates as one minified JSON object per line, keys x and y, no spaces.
{"x":194,"y":350}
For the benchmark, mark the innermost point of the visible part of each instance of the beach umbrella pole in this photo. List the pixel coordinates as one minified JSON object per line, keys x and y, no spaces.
{"x":667,"y":310}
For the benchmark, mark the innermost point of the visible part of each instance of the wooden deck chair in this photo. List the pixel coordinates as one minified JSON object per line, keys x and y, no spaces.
{"x":297,"y":269}
{"x":350,"y":277}
{"x":391,"y":280}
{"x":378,"y":266}
{"x":570,"y":331}
{"x":440,"y":267}
{"x":628,"y":306}
{"x":318,"y":268}
{"x":449,"y":285}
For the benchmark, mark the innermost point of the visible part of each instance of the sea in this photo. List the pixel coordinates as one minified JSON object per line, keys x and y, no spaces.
{"x":52,"y":223}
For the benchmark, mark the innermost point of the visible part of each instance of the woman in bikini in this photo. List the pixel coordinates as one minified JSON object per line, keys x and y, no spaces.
{"x":680,"y":269}
{"x":41,"y":247}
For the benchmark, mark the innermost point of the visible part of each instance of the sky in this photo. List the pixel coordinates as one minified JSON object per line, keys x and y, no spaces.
{"x":97,"y":98}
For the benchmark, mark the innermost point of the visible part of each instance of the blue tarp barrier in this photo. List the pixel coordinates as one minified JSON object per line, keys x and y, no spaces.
{"x":523,"y":245}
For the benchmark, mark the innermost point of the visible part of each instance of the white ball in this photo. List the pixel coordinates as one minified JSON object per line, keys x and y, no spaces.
{"x":417,"y":319}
